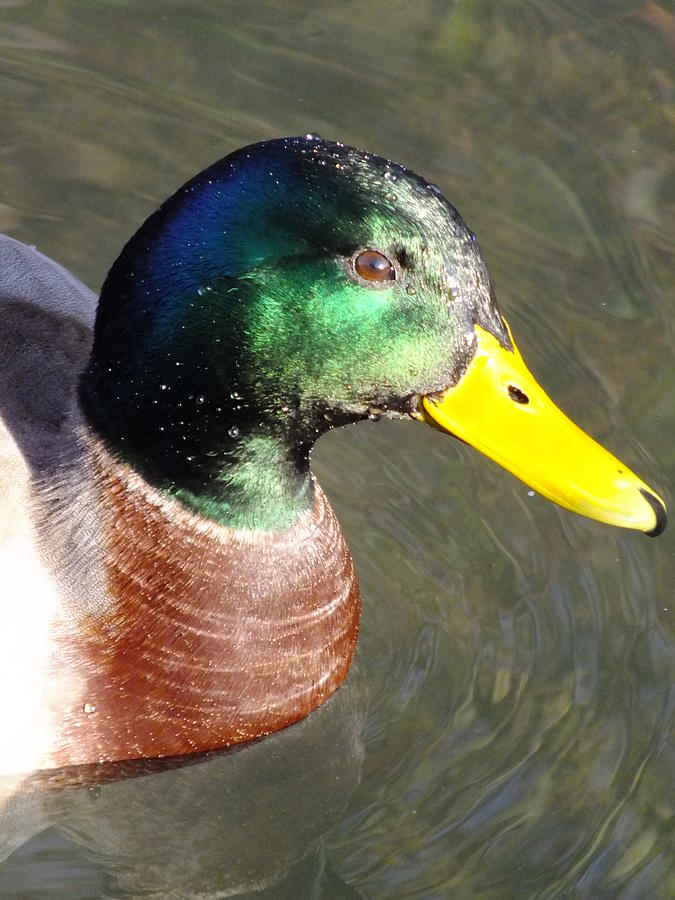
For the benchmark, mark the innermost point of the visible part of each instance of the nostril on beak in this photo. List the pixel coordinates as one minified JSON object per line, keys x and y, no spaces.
{"x":517,"y":395}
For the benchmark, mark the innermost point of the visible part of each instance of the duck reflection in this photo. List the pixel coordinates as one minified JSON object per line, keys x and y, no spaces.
{"x":228,"y":823}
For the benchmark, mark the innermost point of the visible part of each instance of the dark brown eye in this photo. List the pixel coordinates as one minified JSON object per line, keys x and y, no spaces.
{"x":372,"y":265}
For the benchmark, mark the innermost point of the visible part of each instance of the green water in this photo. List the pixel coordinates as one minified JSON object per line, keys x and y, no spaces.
{"x":504,"y":732}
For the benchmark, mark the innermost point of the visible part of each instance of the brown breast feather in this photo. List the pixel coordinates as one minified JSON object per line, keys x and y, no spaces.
{"x":212,"y":636}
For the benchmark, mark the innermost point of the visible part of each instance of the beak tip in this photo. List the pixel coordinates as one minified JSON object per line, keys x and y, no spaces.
{"x":659,"y":511}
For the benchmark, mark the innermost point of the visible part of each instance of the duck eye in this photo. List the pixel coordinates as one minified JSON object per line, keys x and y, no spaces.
{"x":371,"y":265}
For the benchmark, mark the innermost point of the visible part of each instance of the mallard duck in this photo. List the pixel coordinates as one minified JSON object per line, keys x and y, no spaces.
{"x":174,"y":578}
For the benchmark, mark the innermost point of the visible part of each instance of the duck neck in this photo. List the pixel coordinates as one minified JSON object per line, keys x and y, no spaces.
{"x":238,"y":461}
{"x":261,"y":487}
{"x":256,"y":477}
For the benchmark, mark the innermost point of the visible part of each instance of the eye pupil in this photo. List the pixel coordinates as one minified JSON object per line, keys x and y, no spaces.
{"x":371,"y":265}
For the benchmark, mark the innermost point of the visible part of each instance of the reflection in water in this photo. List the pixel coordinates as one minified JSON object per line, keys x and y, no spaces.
{"x":221,"y":825}
{"x":518,"y":661}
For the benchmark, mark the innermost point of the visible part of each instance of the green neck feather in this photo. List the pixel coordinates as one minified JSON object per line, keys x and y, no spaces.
{"x":263,"y":489}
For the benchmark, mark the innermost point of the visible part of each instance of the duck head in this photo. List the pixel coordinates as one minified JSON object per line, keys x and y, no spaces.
{"x":299,"y":284}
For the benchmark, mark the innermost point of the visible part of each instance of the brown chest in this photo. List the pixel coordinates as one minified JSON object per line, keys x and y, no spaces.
{"x":209,"y":636}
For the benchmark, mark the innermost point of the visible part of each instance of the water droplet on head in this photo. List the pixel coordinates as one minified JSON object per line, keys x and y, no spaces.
{"x":410,"y":290}
{"x":89,"y":708}
{"x":233,"y":431}
{"x":311,"y":136}
{"x":374,"y":414}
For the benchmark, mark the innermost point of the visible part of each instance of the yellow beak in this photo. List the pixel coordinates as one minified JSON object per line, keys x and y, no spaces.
{"x":498,"y":408}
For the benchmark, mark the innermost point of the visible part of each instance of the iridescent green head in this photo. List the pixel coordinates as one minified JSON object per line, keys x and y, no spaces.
{"x":294,"y":285}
